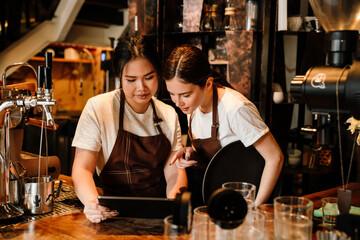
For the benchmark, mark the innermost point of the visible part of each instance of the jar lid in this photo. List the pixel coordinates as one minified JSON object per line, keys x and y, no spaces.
{"x":230,"y":11}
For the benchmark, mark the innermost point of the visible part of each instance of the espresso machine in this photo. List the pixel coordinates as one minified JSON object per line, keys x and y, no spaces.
{"x":335,"y":87}
{"x":14,"y":106}
{"x":332,"y":90}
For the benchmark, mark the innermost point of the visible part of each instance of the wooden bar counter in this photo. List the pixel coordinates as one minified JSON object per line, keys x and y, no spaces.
{"x":75,"y":225}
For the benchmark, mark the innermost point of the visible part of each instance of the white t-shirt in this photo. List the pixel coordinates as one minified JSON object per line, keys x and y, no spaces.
{"x":99,"y":124}
{"x":239,"y":119}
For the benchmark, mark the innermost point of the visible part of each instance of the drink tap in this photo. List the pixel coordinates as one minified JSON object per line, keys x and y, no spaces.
{"x":10,"y":101}
{"x":48,"y":90}
{"x":40,"y":82}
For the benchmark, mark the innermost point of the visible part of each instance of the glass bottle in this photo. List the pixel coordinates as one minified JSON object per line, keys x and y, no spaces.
{"x":220,"y":50}
{"x":230,"y":22}
{"x":207,"y":23}
{"x":251,"y":14}
{"x":179,"y":22}
{"x":216,"y":17}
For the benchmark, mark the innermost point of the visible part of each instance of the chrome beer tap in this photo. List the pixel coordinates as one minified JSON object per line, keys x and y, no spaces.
{"x":11,"y":100}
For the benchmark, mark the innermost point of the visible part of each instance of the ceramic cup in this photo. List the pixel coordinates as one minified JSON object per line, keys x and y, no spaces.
{"x":294,"y":23}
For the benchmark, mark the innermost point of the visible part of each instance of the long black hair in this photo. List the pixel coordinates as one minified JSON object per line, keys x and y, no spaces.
{"x":191,"y":65}
{"x":131,"y":47}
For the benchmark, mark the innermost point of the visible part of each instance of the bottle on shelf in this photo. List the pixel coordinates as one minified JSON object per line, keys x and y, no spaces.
{"x":251,"y":14}
{"x":179,"y":21}
{"x":220,"y":48}
{"x":216,"y":17}
{"x":207,"y":22}
{"x":230,"y":22}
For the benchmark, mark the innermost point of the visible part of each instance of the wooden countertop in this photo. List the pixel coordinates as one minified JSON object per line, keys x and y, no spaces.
{"x":355,"y":198}
{"x":76,"y":226}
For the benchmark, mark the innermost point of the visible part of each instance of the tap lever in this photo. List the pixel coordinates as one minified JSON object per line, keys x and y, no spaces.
{"x":48,"y":60}
{"x":48,"y":78}
{"x":40,"y":80}
{"x":49,"y":117}
{"x":48,"y":69}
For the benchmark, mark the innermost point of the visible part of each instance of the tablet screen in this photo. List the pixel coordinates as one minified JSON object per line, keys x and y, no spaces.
{"x":139,"y":207}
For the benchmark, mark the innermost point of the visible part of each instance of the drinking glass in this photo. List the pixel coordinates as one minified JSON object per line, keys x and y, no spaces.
{"x":253,"y":226}
{"x":293,"y":218}
{"x":202,"y":226}
{"x":268,"y":210}
{"x":173,"y":231}
{"x":330,"y":211}
{"x":247,"y":190}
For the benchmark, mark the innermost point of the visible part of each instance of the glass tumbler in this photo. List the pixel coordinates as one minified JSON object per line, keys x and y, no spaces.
{"x":253,"y":226}
{"x":293,"y":218}
{"x":173,"y":231}
{"x":268,"y":210}
{"x":247,"y":190}
{"x":330,"y":211}
{"x":202,"y":226}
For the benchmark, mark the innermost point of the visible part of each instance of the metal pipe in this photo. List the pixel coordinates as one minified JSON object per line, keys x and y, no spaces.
{"x":19,"y":64}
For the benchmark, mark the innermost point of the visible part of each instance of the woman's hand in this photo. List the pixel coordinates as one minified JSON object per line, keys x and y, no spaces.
{"x":96,"y":213}
{"x":182,"y":158}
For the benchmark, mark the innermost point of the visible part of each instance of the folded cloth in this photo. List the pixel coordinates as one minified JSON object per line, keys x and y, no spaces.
{"x":353,"y":210}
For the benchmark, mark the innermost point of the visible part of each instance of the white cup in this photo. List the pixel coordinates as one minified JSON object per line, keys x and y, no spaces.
{"x":294,"y":157}
{"x":294,"y":23}
{"x":278,"y":97}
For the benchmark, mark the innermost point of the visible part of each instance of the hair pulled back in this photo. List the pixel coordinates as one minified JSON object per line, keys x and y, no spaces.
{"x":131,"y":47}
{"x":191,"y":65}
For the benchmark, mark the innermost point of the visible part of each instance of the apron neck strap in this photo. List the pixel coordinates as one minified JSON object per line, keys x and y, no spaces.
{"x":215,"y":122}
{"x":122,"y":110}
{"x":156,"y":119}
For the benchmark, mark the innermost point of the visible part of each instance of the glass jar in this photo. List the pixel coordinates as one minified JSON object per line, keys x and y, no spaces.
{"x":207,"y":22}
{"x":179,"y":21}
{"x":230,"y":22}
{"x":251,"y":13}
{"x":220,"y":50}
{"x":216,"y":17}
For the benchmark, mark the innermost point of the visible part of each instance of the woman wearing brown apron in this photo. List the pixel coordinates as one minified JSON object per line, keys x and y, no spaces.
{"x":218,"y":115}
{"x":127,"y":136}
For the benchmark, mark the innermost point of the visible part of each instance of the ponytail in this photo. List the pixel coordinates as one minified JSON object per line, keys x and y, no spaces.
{"x":219,"y":79}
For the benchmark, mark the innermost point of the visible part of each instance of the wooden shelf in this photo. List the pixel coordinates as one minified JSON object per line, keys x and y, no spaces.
{"x":219,"y":62}
{"x":61,"y":60}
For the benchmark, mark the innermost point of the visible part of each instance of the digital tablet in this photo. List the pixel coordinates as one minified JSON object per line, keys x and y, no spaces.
{"x":139,"y":207}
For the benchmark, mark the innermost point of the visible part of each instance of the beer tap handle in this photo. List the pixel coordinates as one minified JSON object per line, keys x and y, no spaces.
{"x":47,"y":72}
{"x":48,"y":59}
{"x":48,"y":80}
{"x":40,"y":80}
{"x":40,"y":77}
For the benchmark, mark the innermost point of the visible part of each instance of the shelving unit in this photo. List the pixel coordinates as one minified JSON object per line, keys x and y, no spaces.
{"x":247,"y":63}
{"x":62,"y":60}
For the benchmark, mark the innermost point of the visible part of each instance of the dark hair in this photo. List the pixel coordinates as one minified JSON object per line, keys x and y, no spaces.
{"x":132,"y":47}
{"x":191,"y":65}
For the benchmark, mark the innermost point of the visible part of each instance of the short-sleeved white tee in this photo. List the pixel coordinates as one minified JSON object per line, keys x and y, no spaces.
{"x":98,"y":125}
{"x":239,"y":119}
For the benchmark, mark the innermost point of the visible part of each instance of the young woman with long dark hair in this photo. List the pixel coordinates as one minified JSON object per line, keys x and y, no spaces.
{"x":218,"y":115}
{"x":127,"y":135}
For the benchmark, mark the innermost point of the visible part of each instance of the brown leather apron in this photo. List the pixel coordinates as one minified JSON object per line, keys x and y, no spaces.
{"x":205,"y":150}
{"x":136,"y":164}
